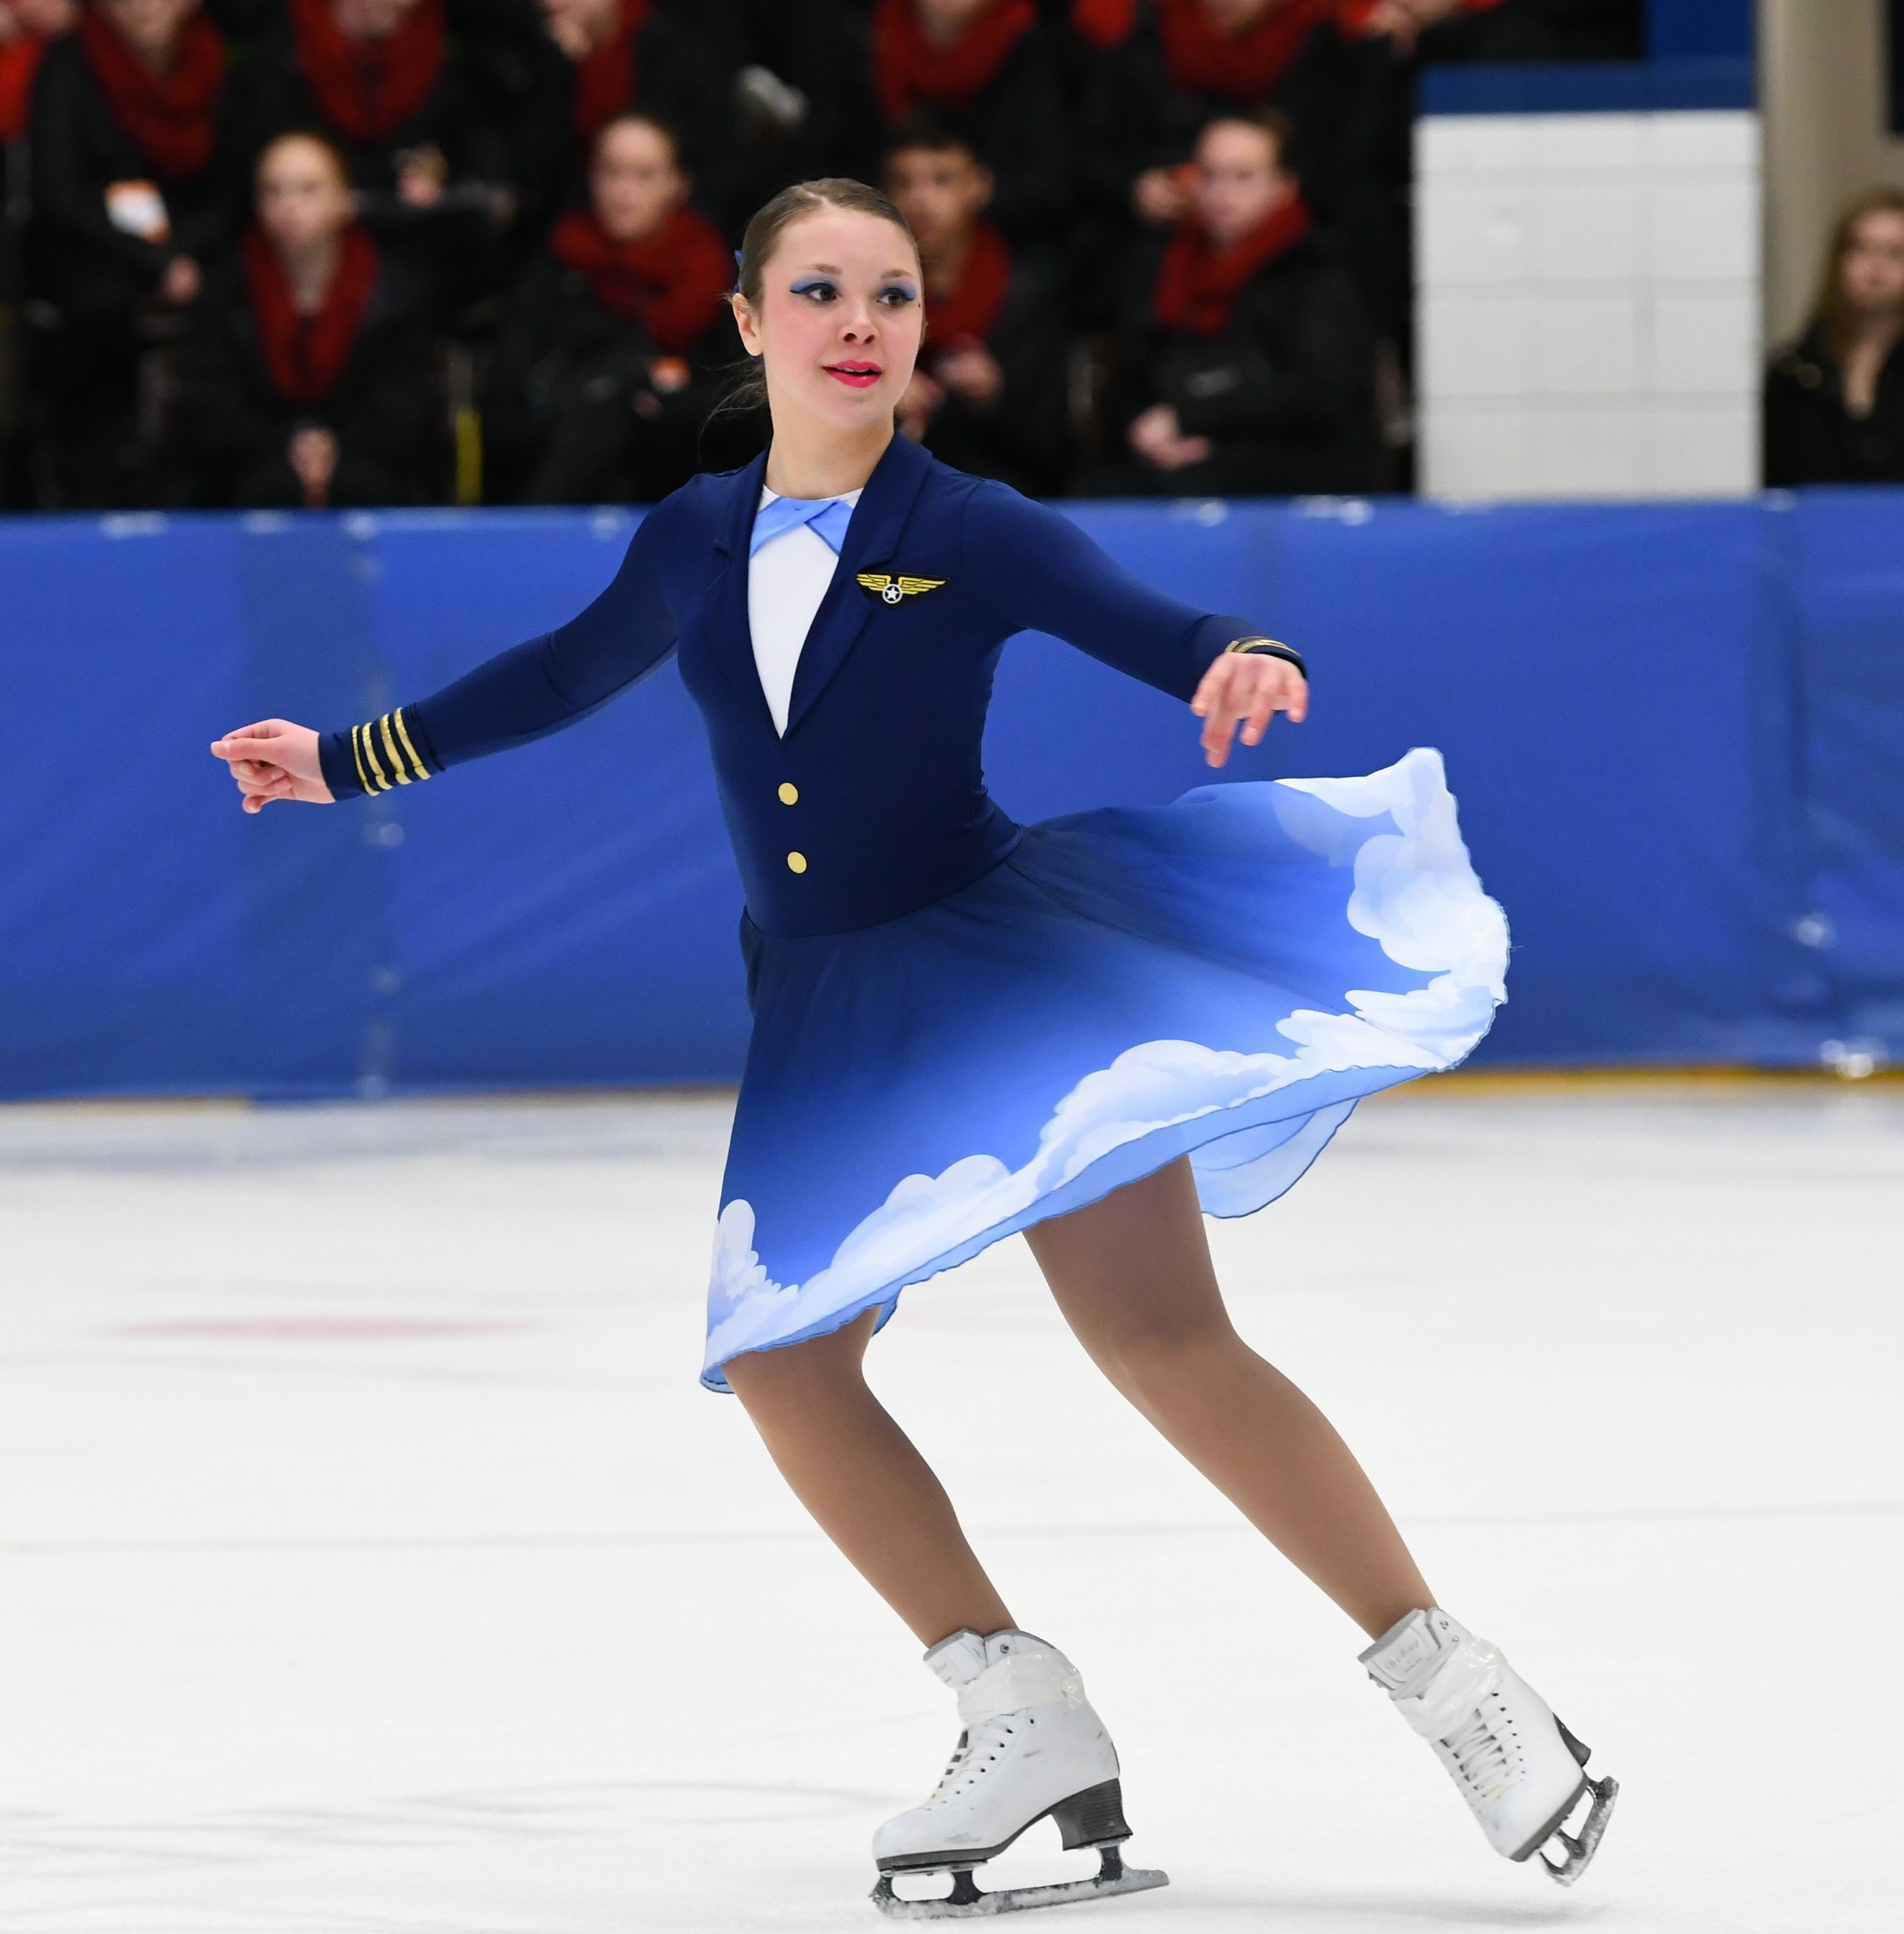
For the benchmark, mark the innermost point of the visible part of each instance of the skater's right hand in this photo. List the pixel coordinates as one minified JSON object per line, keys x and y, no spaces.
{"x":274,"y":760}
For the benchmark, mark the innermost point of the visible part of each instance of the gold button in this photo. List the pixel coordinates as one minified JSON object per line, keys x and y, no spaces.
{"x":789,"y":793}
{"x":796,"y":862}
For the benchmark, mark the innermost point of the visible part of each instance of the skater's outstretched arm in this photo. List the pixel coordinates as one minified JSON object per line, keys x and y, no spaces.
{"x":521,"y":695}
{"x":1042,"y":574}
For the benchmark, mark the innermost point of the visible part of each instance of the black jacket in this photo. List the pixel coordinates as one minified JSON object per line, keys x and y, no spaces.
{"x":81,"y":263}
{"x":558,"y":352}
{"x":233,"y":427}
{"x":1024,"y":439}
{"x":1543,"y":30}
{"x":1811,"y":438}
{"x":1285,"y":391}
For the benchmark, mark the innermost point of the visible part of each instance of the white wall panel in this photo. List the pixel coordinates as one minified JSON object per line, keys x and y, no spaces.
{"x":1589,"y":301}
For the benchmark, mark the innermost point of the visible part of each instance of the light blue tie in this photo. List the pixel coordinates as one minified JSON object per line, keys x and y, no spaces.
{"x":827,"y":516}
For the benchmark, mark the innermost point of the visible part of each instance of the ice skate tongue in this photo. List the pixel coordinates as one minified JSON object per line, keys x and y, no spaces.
{"x":1005,"y":1673}
{"x":1407,"y":1653}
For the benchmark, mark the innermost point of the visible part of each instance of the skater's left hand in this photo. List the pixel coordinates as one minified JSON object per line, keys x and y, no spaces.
{"x":1246,"y":688}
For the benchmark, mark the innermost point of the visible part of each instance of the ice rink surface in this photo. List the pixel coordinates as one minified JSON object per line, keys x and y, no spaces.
{"x":370,"y":1559}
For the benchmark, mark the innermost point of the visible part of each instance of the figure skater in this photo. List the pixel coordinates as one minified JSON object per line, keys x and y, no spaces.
{"x":1086,"y":1030}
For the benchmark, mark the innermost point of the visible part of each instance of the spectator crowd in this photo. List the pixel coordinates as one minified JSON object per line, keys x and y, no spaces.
{"x":328,"y":253}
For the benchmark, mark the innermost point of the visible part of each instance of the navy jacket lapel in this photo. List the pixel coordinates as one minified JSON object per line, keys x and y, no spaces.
{"x":729,"y":633}
{"x":879,"y":521}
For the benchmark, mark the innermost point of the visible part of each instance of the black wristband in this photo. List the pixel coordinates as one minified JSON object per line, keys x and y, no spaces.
{"x":1267,"y":648}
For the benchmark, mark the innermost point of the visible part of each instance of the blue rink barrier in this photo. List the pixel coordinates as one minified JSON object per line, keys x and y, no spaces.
{"x":1676,"y":734}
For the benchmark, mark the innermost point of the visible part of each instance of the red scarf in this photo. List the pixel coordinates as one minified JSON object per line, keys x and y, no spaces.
{"x":966,"y":313}
{"x":306,"y":354}
{"x":1203,"y":59}
{"x":19,"y":60}
{"x":1104,"y":23}
{"x":673,"y":282}
{"x":909,"y":66}
{"x":605,"y":79}
{"x":169,"y":116}
{"x":1197,"y":286}
{"x":367,"y":89}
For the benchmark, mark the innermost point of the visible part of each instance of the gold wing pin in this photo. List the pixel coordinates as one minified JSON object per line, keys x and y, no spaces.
{"x":891,"y":590}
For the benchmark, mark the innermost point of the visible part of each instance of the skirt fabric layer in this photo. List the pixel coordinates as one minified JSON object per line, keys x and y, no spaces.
{"x":1223,"y":977}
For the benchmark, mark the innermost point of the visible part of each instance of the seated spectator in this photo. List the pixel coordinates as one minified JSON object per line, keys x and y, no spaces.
{"x":376,"y":78}
{"x":991,"y":390}
{"x":132,"y":187}
{"x":610,"y":351}
{"x":1834,"y":402}
{"x":998,"y":74}
{"x":596,"y":59}
{"x":25,"y":27}
{"x":1509,"y":30}
{"x":305,"y":378}
{"x":1245,"y":365}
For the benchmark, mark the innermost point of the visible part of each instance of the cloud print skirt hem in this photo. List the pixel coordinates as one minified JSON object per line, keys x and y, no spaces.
{"x":1222,"y":978}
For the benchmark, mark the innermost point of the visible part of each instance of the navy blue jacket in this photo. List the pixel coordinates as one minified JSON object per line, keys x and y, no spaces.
{"x":874,"y":804}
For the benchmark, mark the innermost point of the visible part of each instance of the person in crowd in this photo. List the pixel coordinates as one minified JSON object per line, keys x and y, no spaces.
{"x":997,"y":73}
{"x":378,"y":79}
{"x":612,"y":351}
{"x":305,"y":378}
{"x":590,"y":61}
{"x":1244,"y":366}
{"x":1834,"y":401}
{"x":133,"y":171}
{"x":26,"y":27}
{"x":990,"y":393}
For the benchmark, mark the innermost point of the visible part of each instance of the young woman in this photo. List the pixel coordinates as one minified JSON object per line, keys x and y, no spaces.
{"x":611,"y":348}
{"x":133,"y":177}
{"x":304,"y":382}
{"x":1087,"y":1030}
{"x":1244,"y":356}
{"x":1834,"y":401}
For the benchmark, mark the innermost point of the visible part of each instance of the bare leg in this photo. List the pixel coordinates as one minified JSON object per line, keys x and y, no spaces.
{"x":869,"y":1490}
{"x":1133,"y":1277}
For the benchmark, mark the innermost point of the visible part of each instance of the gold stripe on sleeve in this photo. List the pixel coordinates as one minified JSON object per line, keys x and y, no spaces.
{"x":356,"y":760}
{"x":370,"y":753}
{"x":422,"y":771}
{"x":390,"y":746}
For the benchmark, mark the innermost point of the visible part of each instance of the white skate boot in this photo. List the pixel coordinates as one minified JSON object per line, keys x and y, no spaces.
{"x":1031,"y":1748}
{"x":1517,"y":1766}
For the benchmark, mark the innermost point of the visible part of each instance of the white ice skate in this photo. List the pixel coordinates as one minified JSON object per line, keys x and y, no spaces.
{"x":1517,"y":1766}
{"x":1031,"y":1748}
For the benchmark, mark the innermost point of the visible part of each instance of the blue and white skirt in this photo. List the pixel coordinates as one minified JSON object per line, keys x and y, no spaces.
{"x":1223,"y":977}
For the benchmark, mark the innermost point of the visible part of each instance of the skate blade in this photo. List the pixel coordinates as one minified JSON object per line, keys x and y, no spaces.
{"x":967,"y":1901}
{"x":1580,"y":1848}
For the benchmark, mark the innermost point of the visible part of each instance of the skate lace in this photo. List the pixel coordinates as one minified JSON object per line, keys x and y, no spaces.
{"x":971,"y":1757}
{"x":1483,"y":1758}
